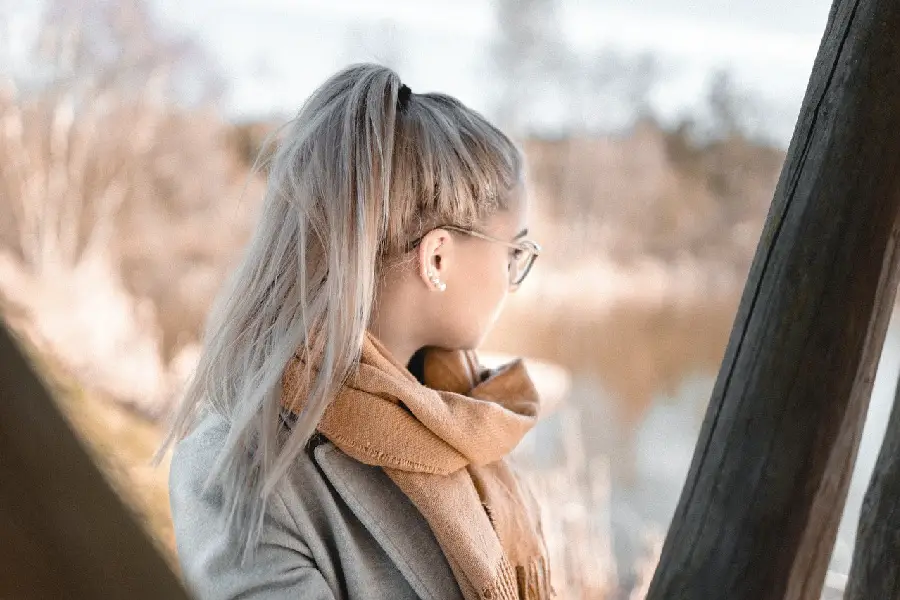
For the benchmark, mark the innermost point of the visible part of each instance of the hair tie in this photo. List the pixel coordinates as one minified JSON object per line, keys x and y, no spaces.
{"x":403,"y":96}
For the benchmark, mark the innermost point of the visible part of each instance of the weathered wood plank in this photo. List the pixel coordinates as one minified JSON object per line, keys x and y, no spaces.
{"x":875,"y":569}
{"x":758,"y":514}
{"x":64,"y":533}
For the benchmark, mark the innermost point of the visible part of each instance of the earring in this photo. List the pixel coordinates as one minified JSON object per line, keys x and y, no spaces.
{"x":440,"y":285}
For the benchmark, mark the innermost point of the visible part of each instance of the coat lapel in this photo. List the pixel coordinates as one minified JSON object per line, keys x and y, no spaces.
{"x":392,"y":520}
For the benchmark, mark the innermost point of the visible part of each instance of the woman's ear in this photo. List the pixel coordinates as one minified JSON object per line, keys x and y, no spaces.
{"x":434,"y":254}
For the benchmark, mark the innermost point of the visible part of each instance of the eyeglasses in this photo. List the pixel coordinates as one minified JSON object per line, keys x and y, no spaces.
{"x":521,"y":260}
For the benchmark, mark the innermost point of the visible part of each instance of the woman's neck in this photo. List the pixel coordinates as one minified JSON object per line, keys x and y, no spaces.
{"x":394,"y":320}
{"x":400,"y":346}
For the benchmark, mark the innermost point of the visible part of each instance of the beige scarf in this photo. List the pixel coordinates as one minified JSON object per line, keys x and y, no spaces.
{"x":444,"y":446}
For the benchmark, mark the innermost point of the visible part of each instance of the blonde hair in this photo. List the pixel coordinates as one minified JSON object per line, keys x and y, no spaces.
{"x":359,"y":173}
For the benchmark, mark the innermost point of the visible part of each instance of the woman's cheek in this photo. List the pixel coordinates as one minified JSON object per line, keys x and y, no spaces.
{"x":499,"y":300}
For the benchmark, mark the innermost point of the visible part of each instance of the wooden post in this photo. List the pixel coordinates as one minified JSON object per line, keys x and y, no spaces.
{"x":758,"y":515}
{"x":65,"y":533}
{"x":875,"y":569}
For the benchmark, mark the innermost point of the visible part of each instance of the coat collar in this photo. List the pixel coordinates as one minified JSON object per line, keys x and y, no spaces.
{"x":392,"y":520}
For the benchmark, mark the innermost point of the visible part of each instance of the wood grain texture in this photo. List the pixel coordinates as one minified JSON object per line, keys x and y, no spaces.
{"x":65,"y":533}
{"x":875,"y":569}
{"x":758,"y":514}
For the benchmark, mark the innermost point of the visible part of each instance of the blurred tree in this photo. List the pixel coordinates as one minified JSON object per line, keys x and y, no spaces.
{"x":83,"y":119}
{"x":248,"y":138}
{"x":612,"y":89}
{"x":548,"y":90}
{"x":531,"y":60}
{"x":544,"y":85}
{"x":734,"y":112}
{"x":726,"y":106}
{"x":115,"y":179}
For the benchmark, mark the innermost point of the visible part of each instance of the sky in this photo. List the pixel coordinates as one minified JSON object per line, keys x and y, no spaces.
{"x":274,"y":53}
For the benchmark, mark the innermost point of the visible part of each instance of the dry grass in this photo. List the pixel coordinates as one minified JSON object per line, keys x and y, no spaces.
{"x":575,"y":499}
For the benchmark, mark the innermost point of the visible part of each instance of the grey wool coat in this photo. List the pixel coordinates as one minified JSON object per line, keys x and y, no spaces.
{"x":337,"y":529}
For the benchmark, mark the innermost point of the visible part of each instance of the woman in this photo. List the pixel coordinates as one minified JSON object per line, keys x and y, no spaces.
{"x":339,"y":439}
